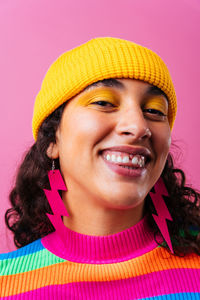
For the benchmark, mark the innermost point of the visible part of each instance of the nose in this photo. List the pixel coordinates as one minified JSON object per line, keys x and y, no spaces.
{"x":133,"y":123}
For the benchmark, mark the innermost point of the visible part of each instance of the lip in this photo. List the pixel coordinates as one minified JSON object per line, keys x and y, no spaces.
{"x":133,"y":173}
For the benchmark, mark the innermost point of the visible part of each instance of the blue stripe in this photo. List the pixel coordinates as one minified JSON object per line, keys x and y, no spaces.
{"x":26,"y":250}
{"x":177,"y":296}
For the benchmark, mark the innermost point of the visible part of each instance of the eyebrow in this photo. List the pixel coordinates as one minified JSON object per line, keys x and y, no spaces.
{"x":155,"y":91}
{"x":112,"y":82}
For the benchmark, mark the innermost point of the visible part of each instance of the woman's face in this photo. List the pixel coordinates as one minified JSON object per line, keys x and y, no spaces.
{"x":127,"y":114}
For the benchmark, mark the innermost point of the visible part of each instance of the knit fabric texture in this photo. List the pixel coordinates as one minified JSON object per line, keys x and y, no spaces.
{"x":98,"y":59}
{"x":127,"y":265}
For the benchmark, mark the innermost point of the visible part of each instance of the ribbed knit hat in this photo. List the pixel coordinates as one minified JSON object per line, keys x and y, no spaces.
{"x":98,"y":59}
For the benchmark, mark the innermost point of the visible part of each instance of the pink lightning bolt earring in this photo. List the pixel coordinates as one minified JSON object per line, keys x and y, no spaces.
{"x":162,"y":210}
{"x":55,"y":201}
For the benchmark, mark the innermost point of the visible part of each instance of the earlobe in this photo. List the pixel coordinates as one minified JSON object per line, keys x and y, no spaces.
{"x":52,"y":151}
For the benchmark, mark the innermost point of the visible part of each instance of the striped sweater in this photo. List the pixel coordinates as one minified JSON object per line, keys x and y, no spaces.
{"x":126,"y":265}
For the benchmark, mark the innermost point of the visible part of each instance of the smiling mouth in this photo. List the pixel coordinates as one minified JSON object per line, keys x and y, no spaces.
{"x":126,"y":164}
{"x":126,"y":160}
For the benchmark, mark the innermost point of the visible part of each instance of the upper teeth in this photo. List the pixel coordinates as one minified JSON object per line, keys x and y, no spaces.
{"x":137,"y":160}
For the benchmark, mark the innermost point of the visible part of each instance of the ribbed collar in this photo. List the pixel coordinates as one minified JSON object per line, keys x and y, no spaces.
{"x":129,"y":243}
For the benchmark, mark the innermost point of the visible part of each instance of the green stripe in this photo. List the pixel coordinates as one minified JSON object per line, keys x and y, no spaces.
{"x":39,"y":259}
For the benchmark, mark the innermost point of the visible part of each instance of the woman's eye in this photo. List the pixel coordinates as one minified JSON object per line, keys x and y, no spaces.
{"x":154,"y":112}
{"x":103,"y":103}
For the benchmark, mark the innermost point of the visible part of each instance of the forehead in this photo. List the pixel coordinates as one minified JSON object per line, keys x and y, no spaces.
{"x":112,"y":82}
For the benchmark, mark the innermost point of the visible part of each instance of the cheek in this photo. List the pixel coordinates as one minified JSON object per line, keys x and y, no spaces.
{"x":162,"y":142}
{"x":82,"y":131}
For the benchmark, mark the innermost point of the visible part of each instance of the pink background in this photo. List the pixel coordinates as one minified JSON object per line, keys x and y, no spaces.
{"x":33,"y":33}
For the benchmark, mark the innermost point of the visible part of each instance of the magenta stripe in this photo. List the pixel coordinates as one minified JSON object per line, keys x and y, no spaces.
{"x":157,"y":283}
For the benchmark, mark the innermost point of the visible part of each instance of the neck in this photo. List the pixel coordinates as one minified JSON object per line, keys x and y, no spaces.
{"x":97,"y":220}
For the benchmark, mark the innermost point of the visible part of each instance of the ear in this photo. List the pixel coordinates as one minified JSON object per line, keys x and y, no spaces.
{"x":52,"y":151}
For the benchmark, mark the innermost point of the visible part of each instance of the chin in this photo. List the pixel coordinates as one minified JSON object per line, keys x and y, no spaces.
{"x":124,"y":202}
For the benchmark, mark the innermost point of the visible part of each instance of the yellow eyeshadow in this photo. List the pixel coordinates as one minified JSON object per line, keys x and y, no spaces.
{"x":157,"y":103}
{"x":97,"y":95}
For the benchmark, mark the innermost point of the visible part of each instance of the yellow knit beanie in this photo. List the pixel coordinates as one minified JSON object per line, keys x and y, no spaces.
{"x":98,"y":59}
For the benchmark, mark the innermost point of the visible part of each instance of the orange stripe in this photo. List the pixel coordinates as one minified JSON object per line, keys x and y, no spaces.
{"x":68,"y":272}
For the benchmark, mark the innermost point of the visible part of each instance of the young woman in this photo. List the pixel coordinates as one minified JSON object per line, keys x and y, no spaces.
{"x":98,"y":209}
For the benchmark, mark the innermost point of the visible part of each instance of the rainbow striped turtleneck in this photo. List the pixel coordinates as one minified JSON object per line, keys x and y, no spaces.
{"x":127,"y":265}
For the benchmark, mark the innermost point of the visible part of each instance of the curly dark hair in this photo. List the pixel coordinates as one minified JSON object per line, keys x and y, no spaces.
{"x":27,"y":217}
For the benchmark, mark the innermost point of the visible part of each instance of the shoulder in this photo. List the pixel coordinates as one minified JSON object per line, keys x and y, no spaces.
{"x":28,"y":258}
{"x":13,"y":262}
{"x":28,"y":249}
{"x":167,"y":260}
